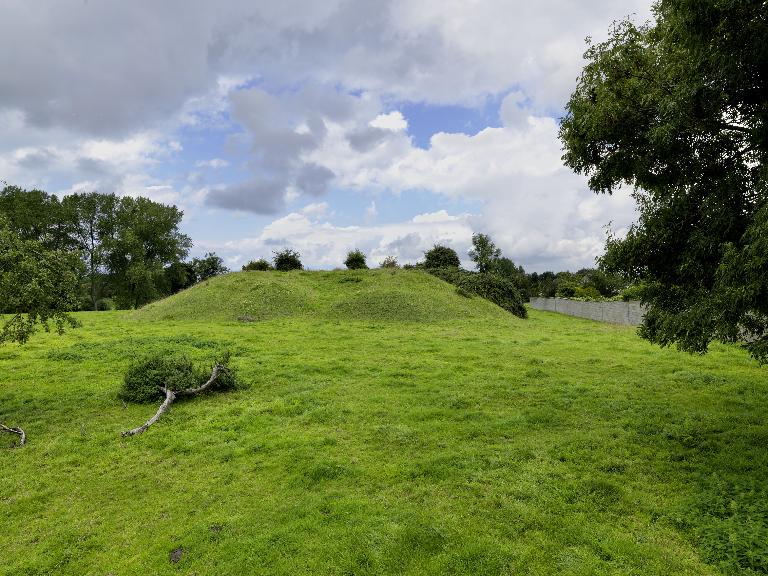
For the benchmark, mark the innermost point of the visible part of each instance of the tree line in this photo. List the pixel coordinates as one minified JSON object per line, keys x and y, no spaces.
{"x":586,"y":283}
{"x":130,"y":250}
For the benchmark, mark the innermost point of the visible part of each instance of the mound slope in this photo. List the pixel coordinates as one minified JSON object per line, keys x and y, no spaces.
{"x":386,"y":295}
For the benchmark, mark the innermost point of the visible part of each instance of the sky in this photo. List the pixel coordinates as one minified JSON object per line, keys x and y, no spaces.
{"x":382,"y":125}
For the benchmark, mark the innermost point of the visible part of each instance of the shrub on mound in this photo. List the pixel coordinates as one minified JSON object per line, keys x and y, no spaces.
{"x":355,"y":260}
{"x":499,"y":290}
{"x":147,"y":375}
{"x":257,"y":265}
{"x":287,"y":260}
{"x":441,"y":257}
{"x":389,"y":262}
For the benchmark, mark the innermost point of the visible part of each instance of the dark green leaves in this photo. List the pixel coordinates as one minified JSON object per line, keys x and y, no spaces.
{"x":679,"y":111}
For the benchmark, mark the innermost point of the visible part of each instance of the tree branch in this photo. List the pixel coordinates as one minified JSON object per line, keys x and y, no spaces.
{"x":170,"y":396}
{"x":22,"y":435}
{"x":218,"y":369}
{"x":734,"y":127}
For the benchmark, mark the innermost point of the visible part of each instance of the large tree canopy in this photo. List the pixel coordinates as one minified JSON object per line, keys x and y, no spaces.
{"x":128,"y":245}
{"x":38,"y":286}
{"x":678,"y":109}
{"x":147,"y":239}
{"x":91,"y":225}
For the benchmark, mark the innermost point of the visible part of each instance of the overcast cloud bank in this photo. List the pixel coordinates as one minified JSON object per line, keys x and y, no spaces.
{"x":240,"y":108}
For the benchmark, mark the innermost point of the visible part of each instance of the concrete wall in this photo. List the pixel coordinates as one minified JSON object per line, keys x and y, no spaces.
{"x":631,"y":312}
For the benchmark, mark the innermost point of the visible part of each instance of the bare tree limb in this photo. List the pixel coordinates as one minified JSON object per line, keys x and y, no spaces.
{"x":218,"y":369}
{"x":170,"y":396}
{"x":22,"y":435}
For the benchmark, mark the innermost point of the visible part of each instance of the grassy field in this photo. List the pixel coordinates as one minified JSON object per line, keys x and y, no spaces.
{"x":420,"y":433}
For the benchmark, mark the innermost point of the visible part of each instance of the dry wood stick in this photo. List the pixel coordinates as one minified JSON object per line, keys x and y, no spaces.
{"x":15,"y":430}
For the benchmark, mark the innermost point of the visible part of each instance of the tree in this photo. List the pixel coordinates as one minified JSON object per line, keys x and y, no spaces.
{"x":34,"y":215}
{"x":355,"y":260}
{"x":677,"y":109}
{"x":178,"y":276}
{"x":208,"y":266}
{"x":127,"y":244}
{"x":484,"y":253}
{"x":38,"y":287}
{"x":389,"y":262}
{"x":505,"y":268}
{"x":286,"y":260}
{"x":90,"y":224}
{"x":147,"y":238}
{"x":440,"y":256}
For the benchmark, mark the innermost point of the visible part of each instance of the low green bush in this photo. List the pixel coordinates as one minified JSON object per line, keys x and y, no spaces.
{"x":441,"y":257}
{"x":147,"y":375}
{"x":587,"y":293}
{"x":355,"y":260}
{"x":105,"y":304}
{"x":260,"y":265}
{"x":633,"y":292}
{"x":566,"y":291}
{"x":286,"y":260}
{"x":499,"y":290}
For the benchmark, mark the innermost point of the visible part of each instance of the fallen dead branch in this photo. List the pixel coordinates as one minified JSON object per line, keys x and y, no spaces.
{"x":22,"y":435}
{"x":171,"y":395}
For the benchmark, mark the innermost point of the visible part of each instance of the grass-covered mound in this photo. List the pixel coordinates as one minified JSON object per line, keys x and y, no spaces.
{"x":385,"y":295}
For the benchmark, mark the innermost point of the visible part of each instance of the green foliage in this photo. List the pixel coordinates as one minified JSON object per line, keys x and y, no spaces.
{"x":147,"y":239}
{"x":90,"y":223}
{"x":632,"y":292}
{"x":260,"y":265}
{"x":587,"y":283}
{"x":35,"y":215}
{"x":178,"y":276}
{"x":208,"y":266}
{"x":37,"y":286}
{"x":287,"y":260}
{"x":587,"y":293}
{"x":146,"y":376}
{"x":440,"y":256}
{"x":104,"y":304}
{"x":740,"y":303}
{"x":127,"y":244}
{"x":389,"y":262}
{"x":505,"y":268}
{"x":355,"y":260}
{"x":676,"y":109}
{"x":484,"y":253}
{"x":566,"y":290}
{"x":501,"y":291}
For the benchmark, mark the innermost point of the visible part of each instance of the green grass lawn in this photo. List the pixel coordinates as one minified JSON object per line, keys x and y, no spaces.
{"x":387,"y":440}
